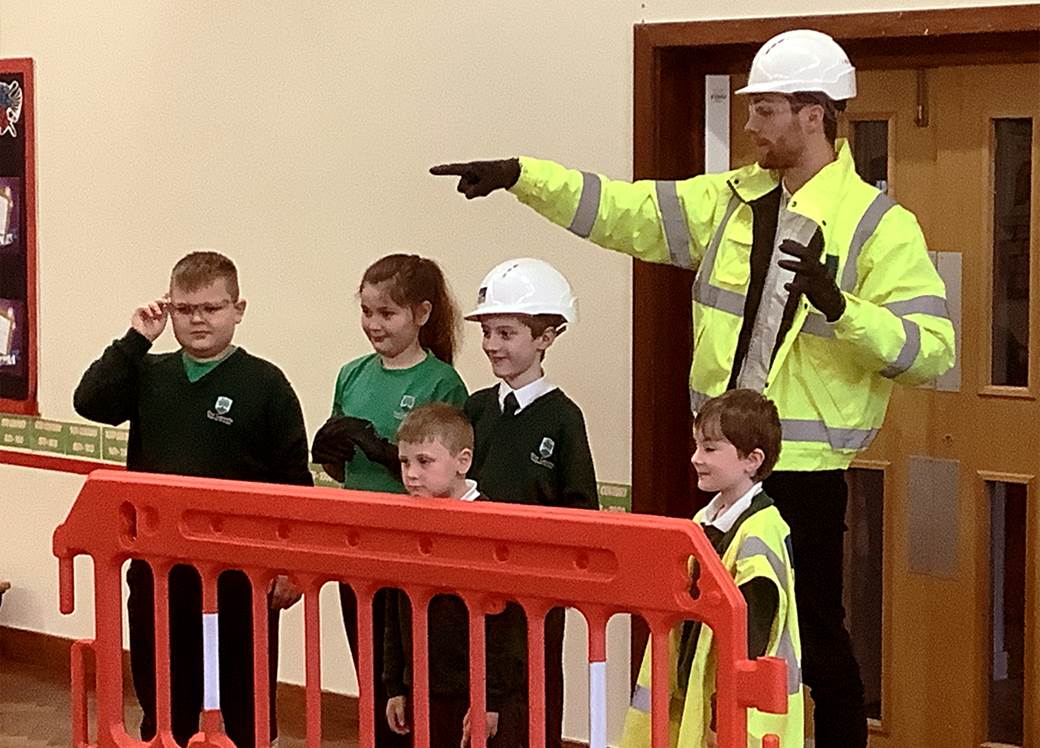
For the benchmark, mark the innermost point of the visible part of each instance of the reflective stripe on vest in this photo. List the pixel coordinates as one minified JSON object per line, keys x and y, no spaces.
{"x":751,"y":547}
{"x":935,"y":306}
{"x":805,"y":430}
{"x":641,"y":699}
{"x":703,"y":291}
{"x":786,"y":651}
{"x":676,"y":232}
{"x":697,"y":400}
{"x":588,"y":207}
{"x":908,"y":353}
{"x":865,"y":229}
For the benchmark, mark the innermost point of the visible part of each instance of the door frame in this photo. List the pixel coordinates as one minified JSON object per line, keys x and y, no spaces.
{"x":670,"y":61}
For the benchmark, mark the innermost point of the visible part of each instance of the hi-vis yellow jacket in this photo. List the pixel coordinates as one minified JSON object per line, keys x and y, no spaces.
{"x":758,"y":550}
{"x":831,"y":382}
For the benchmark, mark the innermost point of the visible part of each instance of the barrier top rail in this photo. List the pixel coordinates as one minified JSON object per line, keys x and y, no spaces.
{"x":601,"y":563}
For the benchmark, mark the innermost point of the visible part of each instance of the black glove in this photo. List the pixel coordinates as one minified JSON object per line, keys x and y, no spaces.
{"x":481,"y":178}
{"x":332,"y":444}
{"x":364,"y":436}
{"x":811,"y":277}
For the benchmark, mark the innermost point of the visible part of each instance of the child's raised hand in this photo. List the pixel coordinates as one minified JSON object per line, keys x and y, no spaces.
{"x":150,"y":319}
{"x":396,"y":714}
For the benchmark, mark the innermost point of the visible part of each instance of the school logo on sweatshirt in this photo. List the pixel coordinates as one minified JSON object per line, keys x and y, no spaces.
{"x":545,"y":451}
{"x":221,"y":407}
{"x":407,"y":403}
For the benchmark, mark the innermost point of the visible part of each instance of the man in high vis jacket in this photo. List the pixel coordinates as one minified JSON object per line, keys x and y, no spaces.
{"x":811,"y":286}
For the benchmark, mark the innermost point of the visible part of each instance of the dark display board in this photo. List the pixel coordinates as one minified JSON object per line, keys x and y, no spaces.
{"x":17,"y":239}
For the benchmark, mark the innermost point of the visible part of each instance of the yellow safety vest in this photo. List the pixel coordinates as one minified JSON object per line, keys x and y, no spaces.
{"x":831,"y":382}
{"x":758,"y":550}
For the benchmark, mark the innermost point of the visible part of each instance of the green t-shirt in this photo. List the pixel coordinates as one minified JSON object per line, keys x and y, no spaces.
{"x":384,"y":396}
{"x":196,"y":370}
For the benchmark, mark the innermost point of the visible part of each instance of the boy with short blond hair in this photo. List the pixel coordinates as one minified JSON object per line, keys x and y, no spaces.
{"x":738,"y":438}
{"x":435,"y":444}
{"x":209,"y":409}
{"x":531,"y":443}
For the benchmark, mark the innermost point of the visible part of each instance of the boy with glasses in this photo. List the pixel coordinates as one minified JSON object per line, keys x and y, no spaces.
{"x":211,"y":410}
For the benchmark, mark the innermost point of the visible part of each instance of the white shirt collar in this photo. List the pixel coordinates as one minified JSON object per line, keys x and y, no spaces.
{"x":725,"y":520}
{"x":472,"y":491}
{"x":526,"y":394}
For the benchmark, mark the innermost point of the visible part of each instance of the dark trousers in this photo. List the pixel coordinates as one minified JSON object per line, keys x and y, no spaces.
{"x":235,"y":629}
{"x":385,"y":737}
{"x":447,"y":713}
{"x":554,"y":625}
{"x":813,"y":505}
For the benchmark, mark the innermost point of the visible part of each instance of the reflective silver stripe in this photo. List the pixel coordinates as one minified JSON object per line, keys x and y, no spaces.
{"x":933,"y":305}
{"x":707,"y":294}
{"x":697,"y":400}
{"x":794,"y":670}
{"x":817,"y":324}
{"x":799,"y":430}
{"x":722,"y":299}
{"x":588,"y":206}
{"x":676,"y":232}
{"x":641,"y":699}
{"x":908,"y":354}
{"x":753,"y":546}
{"x":868,"y":224}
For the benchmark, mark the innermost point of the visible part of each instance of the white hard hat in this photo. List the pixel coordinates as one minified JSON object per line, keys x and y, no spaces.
{"x":802,"y":60}
{"x":525,"y":286}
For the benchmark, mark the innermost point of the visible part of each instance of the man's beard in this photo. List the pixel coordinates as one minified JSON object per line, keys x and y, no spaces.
{"x":783,"y":153}
{"x":778,"y":158}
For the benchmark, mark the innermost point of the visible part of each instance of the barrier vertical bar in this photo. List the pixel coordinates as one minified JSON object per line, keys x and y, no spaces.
{"x":312,"y":643}
{"x":660,"y":678}
{"x":78,"y":672}
{"x":258,"y":585}
{"x":161,"y":626}
{"x":108,"y":646}
{"x":477,"y":674}
{"x":420,"y":693}
{"x":597,"y":626}
{"x":366,"y":676}
{"x":211,"y":718}
{"x":536,"y":613}
{"x":731,"y":718}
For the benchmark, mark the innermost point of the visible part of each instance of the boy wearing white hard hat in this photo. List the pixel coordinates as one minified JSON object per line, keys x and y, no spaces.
{"x":531,"y":446}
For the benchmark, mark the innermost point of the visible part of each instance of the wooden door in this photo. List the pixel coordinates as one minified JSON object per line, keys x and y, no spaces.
{"x":961,"y":456}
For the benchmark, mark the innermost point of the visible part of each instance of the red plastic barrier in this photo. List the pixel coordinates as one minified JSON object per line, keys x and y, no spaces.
{"x":600,"y":563}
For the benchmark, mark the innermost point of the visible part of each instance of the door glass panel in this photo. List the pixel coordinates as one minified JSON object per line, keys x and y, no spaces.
{"x":1007,"y":612}
{"x":864,"y":577}
{"x":870,"y":151}
{"x":1011,"y":196}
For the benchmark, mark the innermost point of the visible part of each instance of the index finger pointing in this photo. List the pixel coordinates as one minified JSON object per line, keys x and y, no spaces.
{"x":449,"y":170}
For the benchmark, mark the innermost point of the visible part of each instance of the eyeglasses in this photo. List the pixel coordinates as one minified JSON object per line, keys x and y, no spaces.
{"x":206,"y":311}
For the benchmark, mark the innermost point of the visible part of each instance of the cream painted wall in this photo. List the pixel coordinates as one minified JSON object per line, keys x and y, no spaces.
{"x":296,"y":137}
{"x":297,"y":141}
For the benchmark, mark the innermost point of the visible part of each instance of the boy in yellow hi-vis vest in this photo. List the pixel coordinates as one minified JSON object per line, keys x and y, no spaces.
{"x":738,"y":441}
